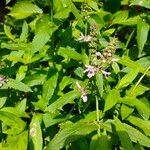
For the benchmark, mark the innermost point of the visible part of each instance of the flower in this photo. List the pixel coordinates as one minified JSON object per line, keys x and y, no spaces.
{"x":91,"y":70}
{"x":105,"y":73}
{"x":83,"y":92}
{"x":84,"y":96}
{"x":84,"y":38}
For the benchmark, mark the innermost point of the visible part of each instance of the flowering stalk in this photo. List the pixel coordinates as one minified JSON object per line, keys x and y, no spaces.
{"x":83,"y":92}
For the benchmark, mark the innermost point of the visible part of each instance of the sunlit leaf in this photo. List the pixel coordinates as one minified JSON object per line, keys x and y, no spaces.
{"x":24,"y":9}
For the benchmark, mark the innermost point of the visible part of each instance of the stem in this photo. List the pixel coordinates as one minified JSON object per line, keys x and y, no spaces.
{"x":86,"y":28}
{"x":51,"y":9}
{"x":97,"y":115}
{"x":129,"y":39}
{"x":140,"y":79}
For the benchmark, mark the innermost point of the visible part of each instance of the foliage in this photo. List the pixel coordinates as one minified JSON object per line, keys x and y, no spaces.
{"x":74,"y":74}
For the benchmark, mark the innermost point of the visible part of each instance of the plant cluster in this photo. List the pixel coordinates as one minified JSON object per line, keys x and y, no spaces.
{"x":74,"y":74}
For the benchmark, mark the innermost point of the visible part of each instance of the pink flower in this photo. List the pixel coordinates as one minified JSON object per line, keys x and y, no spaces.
{"x":91,"y":70}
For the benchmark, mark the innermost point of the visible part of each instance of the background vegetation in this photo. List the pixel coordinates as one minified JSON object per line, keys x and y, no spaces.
{"x":74,"y":74}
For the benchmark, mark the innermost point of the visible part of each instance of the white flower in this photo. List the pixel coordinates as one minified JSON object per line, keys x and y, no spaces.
{"x":105,"y":73}
{"x":91,"y":70}
{"x":83,"y":92}
{"x":84,"y":96}
{"x":84,"y":38}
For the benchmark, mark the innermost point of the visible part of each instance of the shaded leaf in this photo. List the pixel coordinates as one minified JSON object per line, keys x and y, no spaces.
{"x":142,"y":34}
{"x":111,"y":99}
{"x":49,"y":88}
{"x":70,"y":134}
{"x":66,"y":98}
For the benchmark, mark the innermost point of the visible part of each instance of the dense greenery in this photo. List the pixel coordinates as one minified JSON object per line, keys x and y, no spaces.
{"x":74,"y":74}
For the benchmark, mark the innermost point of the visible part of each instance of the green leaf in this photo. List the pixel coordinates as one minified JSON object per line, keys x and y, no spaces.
{"x":35,"y":134}
{"x":14,"y":124}
{"x":49,"y":88}
{"x":111,"y":99}
{"x":138,"y":90}
{"x":76,"y":13}
{"x":132,"y":64}
{"x":24,"y":9}
{"x":50,"y":119}
{"x":35,"y":79}
{"x":136,"y":136}
{"x":70,"y":134}
{"x":128,"y":78}
{"x":133,"y":102}
{"x":142,"y":34}
{"x":66,"y":98}
{"x":100,"y":143}
{"x":143,"y":3}
{"x":99,"y":83}
{"x":126,"y":111}
{"x":142,"y":124}
{"x":21,"y":73}
{"x":40,"y":40}
{"x":123,"y":135}
{"x":16,"y":142}
{"x":15,"y":111}
{"x":61,"y":9}
{"x":108,"y":32}
{"x":7,"y":30}
{"x":144,"y":112}
{"x":24,"y":33}
{"x":18,"y":85}
{"x":69,"y":53}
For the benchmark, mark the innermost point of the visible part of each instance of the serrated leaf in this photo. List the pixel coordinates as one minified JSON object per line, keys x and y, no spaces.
{"x":18,"y":85}
{"x":144,"y":112}
{"x":35,"y":79}
{"x":133,"y":102}
{"x":35,"y":134}
{"x":49,"y":88}
{"x":69,"y":53}
{"x":70,"y":134}
{"x":127,"y":79}
{"x":24,"y":33}
{"x":142,"y":124}
{"x":24,"y":9}
{"x":136,"y":136}
{"x":142,"y":34}
{"x":111,"y":99}
{"x":132,"y":64}
{"x":138,"y":90}
{"x":66,"y":98}
{"x":123,"y":135}
{"x":40,"y":40}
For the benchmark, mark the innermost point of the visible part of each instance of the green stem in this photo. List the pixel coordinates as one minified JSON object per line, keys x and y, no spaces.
{"x":51,"y":9}
{"x":97,"y":115}
{"x":129,"y":39}
{"x":86,"y":28}
{"x":140,"y":79}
